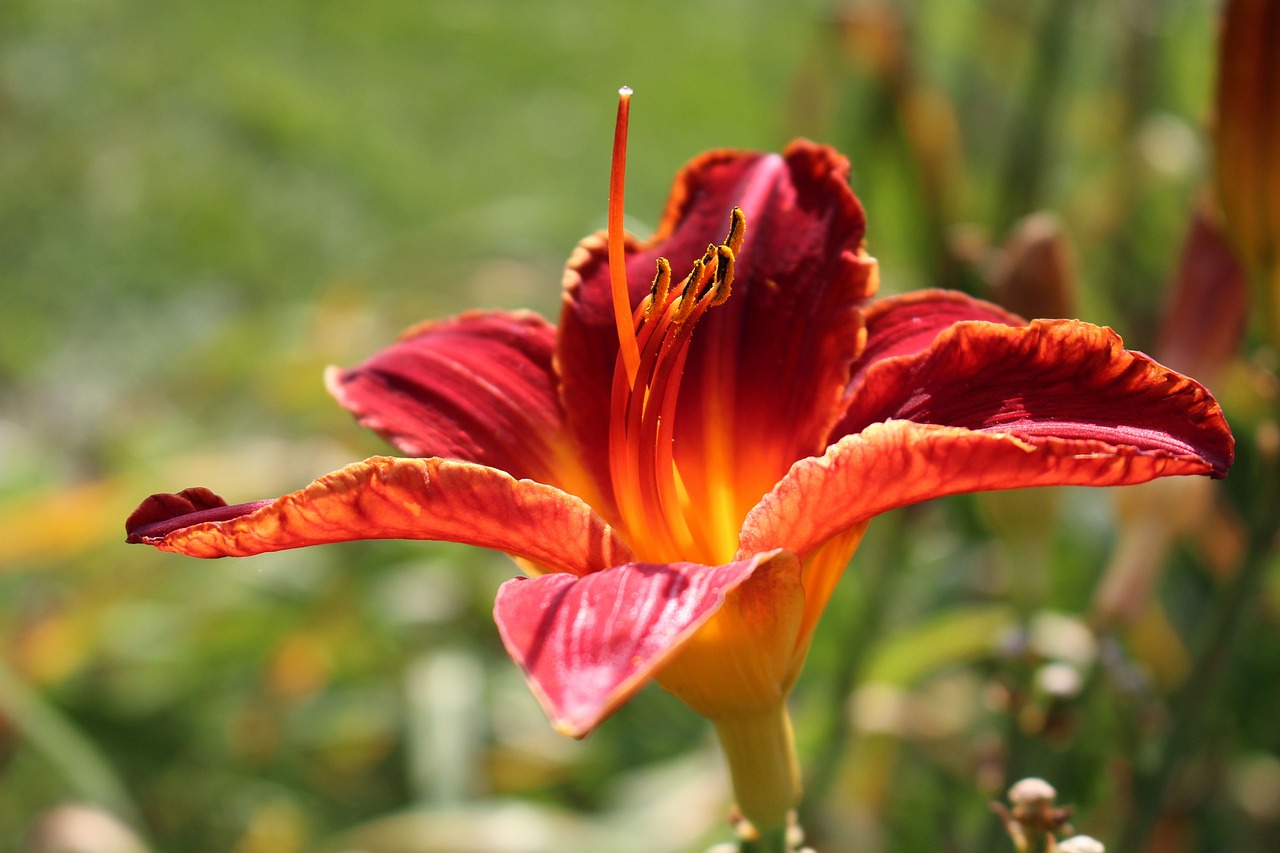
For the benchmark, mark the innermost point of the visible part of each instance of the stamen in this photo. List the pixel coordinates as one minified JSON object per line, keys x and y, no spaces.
{"x":689,"y":294}
{"x":661,"y":288}
{"x":633,"y":478}
{"x":737,"y":230}
{"x":652,"y":496}
{"x":617,"y":256}
{"x":717,"y":504}
{"x":724,"y":276}
{"x":657,"y":467}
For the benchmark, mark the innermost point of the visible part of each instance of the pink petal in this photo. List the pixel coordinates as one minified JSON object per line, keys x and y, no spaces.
{"x":587,"y":644}
{"x":386,"y":498}
{"x":479,"y":387}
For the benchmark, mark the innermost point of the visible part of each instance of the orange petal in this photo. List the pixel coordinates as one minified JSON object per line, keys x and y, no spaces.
{"x":587,"y":644}
{"x":388,"y":498}
{"x":894,"y":464}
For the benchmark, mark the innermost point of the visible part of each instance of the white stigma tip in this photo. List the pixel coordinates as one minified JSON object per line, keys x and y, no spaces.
{"x":624,"y":91}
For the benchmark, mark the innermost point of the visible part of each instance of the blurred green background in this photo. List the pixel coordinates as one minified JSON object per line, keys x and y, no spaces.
{"x":204,"y":204}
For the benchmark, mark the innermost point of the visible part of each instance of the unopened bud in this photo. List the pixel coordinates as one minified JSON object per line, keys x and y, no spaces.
{"x":1248,"y":137}
{"x":874,"y":37}
{"x":1035,"y":274}
{"x":1031,"y":791}
{"x":1247,"y":156}
{"x":1080,"y":844}
{"x":1060,"y":681}
{"x":1205,"y":319}
{"x":1034,"y":821}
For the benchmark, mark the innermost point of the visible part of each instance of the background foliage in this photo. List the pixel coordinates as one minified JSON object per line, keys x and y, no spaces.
{"x":203,"y":204}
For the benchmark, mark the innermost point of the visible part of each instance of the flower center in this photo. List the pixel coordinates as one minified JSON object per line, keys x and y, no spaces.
{"x":653,"y":346}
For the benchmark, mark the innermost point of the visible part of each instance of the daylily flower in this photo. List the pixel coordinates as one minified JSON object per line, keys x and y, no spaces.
{"x":683,"y":471}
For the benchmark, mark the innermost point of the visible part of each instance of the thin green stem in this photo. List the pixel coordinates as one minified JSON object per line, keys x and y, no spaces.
{"x":774,"y":841}
{"x":760,"y":749}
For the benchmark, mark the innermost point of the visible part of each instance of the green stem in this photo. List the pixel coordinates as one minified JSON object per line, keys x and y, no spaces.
{"x":774,"y":841}
{"x":761,"y":753}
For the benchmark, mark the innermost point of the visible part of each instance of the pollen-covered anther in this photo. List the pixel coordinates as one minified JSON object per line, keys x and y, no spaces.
{"x":706,"y":286}
{"x":724,"y":275}
{"x":708,"y":283}
{"x":661,"y":288}
{"x":737,"y":230}
{"x":688,"y":299}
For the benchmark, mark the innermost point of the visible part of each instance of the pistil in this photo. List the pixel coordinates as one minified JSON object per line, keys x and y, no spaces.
{"x":617,"y":255}
{"x":653,"y":344}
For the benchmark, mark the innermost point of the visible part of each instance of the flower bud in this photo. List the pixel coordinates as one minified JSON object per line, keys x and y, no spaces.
{"x":1204,"y":322}
{"x":1247,"y":160}
{"x":1035,"y":274}
{"x":1080,"y":844}
{"x":1031,"y":791}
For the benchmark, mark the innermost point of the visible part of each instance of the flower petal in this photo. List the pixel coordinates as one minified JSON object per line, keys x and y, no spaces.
{"x":899,"y":463}
{"x":745,"y":659}
{"x":388,"y":498}
{"x":159,"y":514}
{"x":766,"y":369}
{"x":906,"y":324}
{"x":587,"y":644}
{"x":1054,"y":378}
{"x":478,"y":387}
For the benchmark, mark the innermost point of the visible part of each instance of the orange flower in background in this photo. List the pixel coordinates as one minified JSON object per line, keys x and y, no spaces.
{"x":1247,"y":159}
{"x":684,"y":466}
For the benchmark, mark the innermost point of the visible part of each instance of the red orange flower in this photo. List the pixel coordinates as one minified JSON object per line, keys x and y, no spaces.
{"x":684,"y":512}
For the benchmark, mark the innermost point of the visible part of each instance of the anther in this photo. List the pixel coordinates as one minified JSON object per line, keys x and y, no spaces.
{"x":708,"y":270}
{"x":661,"y":287}
{"x":724,"y":276}
{"x":689,"y":296}
{"x":737,"y":230}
